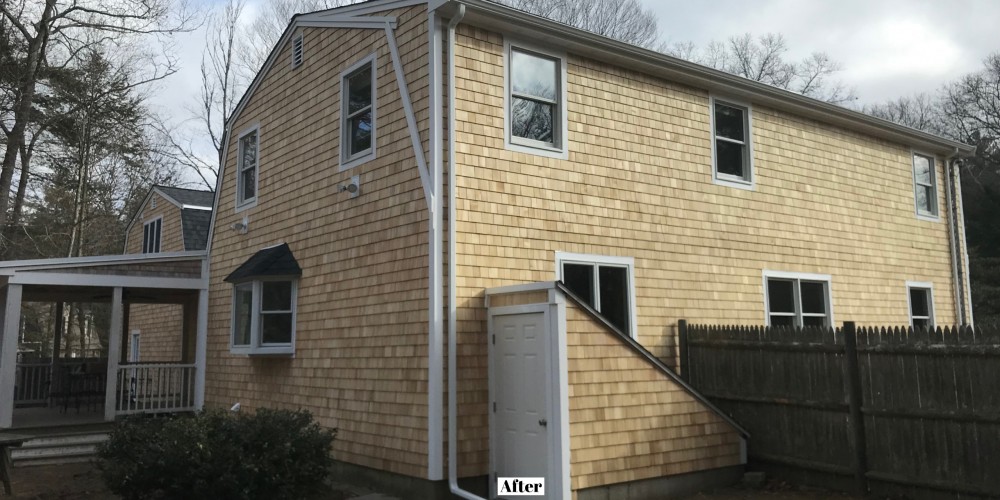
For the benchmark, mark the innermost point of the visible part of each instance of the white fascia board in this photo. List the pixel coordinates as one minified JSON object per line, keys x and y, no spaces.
{"x":526,"y":287}
{"x":102,"y":260}
{"x":194,"y":207}
{"x":166,"y":197}
{"x":105,"y":280}
{"x":359,"y":23}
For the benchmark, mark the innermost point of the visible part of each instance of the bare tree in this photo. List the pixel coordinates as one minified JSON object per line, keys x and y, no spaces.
{"x":53,"y":34}
{"x":625,"y":20}
{"x":763,"y":59}
{"x":921,"y":111}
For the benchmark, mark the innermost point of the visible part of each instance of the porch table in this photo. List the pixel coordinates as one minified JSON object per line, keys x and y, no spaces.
{"x":8,"y":441}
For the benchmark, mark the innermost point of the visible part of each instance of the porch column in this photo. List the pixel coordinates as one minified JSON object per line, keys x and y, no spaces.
{"x":56,"y":362}
{"x":114,"y":354}
{"x":8,"y":354}
{"x":201,"y":350}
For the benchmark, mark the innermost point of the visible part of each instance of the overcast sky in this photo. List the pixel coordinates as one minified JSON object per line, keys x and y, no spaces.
{"x":888,"y":48}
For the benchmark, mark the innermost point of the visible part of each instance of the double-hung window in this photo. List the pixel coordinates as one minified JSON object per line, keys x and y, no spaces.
{"x":732,"y":154}
{"x":536,"y":114}
{"x":925,"y":186}
{"x":247,"y":167}
{"x":800,"y":300}
{"x":264,"y":316}
{"x":921,"y":298}
{"x":604,"y":283}
{"x":151,"y":235}
{"x":357,"y":113}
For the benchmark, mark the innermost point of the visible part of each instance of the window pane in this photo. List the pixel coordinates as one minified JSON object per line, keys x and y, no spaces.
{"x":782,"y":321}
{"x":729,"y":158}
{"x":248,"y":147}
{"x":780,"y":296}
{"x":249,"y":181}
{"x":814,"y":321}
{"x":276,"y":328}
{"x":729,"y":122}
{"x":145,"y":238}
{"x":613,"y":285}
{"x":532,"y":119}
{"x":928,"y":194}
{"x":579,"y":278}
{"x":919,"y":302}
{"x":533,"y":75}
{"x":922,"y":169}
{"x":242,"y":303}
{"x":277,"y":296}
{"x":359,"y":89}
{"x":813,"y":297}
{"x":156,"y":236}
{"x":361,"y":132}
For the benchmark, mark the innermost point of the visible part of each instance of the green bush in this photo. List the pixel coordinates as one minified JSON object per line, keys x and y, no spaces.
{"x":274,"y":454}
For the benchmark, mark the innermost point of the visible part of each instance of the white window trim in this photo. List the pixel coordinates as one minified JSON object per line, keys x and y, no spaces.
{"x":561,"y":128}
{"x":768,"y":274}
{"x":364,"y":157}
{"x":299,"y":39}
{"x":626,"y":262}
{"x":144,"y":226}
{"x":729,"y":180}
{"x":255,"y":348}
{"x":252,"y":202}
{"x":135,"y":346}
{"x":922,"y":215}
{"x":921,"y":285}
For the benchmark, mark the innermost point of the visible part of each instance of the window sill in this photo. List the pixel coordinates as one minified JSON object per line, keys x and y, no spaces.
{"x":277,"y":351}
{"x":356,"y":161}
{"x":246,"y":205}
{"x":733,"y":182}
{"x":537,"y":149}
{"x":928,"y":217}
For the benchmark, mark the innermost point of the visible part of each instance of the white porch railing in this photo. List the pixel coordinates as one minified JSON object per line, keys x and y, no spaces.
{"x":155,"y":388}
{"x":31,"y":383}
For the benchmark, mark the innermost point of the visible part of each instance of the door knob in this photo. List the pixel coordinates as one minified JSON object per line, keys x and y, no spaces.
{"x":542,"y":422}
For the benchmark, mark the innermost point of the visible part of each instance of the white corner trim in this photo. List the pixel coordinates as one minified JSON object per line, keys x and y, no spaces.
{"x":935,"y":181}
{"x":411,"y":120}
{"x":346,"y":161}
{"x":766,"y":273}
{"x":561,"y":151}
{"x":560,"y":382}
{"x":252,"y":202}
{"x":435,"y":347}
{"x":924,"y":285}
{"x":627,"y":262}
{"x":728,"y":180}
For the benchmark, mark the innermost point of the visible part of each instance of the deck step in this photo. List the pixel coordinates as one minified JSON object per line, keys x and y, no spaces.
{"x":58,"y":448}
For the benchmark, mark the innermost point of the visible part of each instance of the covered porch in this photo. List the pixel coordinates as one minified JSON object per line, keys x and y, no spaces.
{"x":46,"y":380}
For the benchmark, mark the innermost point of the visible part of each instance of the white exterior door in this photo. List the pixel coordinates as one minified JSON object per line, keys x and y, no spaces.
{"x":521,"y":396}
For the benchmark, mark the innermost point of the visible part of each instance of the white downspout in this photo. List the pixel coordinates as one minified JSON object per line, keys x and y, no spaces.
{"x":956,"y":248}
{"x":452,"y":309}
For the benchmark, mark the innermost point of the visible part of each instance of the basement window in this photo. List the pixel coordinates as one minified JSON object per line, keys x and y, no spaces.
{"x":921,"y":299}
{"x":604,"y":283}
{"x":799,"y":300}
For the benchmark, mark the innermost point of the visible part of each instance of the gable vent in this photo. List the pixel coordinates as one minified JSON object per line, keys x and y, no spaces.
{"x":297,"y":51}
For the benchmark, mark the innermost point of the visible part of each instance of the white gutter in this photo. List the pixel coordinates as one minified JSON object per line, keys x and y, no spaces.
{"x":435,"y":341}
{"x":956,"y":284}
{"x":452,"y":309}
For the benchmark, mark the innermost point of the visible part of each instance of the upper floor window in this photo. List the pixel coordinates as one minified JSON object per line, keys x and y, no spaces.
{"x":921,"y":298}
{"x":357,"y":123}
{"x":247,"y":167}
{"x":536,"y":115}
{"x":151,"y":235}
{"x":732,"y":154}
{"x":604,"y":283}
{"x":800,"y":300}
{"x":925,"y":186}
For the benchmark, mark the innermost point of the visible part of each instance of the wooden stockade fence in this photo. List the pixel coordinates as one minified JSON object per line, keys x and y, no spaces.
{"x":896,"y":411}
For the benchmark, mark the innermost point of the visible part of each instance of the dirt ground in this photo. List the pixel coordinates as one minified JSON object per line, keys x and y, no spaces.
{"x":772,"y":491}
